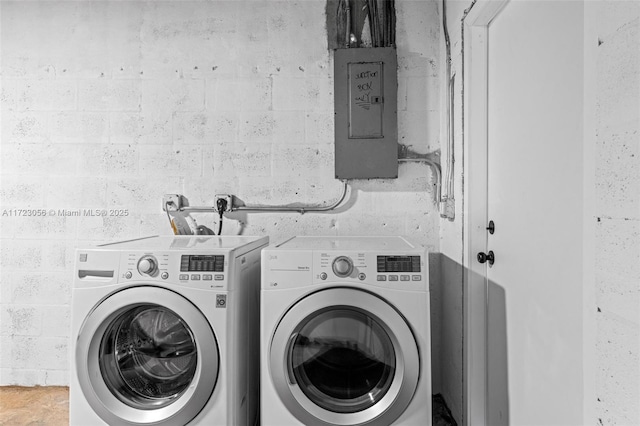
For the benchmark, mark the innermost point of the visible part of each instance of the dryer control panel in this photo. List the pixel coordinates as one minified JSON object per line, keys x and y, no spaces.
{"x":378,"y":261}
{"x":407,"y":271}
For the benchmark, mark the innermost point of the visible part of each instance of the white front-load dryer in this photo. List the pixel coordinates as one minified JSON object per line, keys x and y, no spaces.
{"x":345,"y":332}
{"x":165,"y":332}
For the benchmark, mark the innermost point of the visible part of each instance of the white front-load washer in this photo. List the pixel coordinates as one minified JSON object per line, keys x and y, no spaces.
{"x":345,"y":332}
{"x":165,"y":332}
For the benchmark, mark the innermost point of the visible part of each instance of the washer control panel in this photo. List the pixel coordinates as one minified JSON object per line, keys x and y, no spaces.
{"x":194,"y":270}
{"x":202,"y":263}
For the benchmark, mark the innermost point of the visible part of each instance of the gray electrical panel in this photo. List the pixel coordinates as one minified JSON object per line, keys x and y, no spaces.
{"x":366,"y":106}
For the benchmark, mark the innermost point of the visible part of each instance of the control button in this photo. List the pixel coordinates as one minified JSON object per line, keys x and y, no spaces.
{"x":393,"y":278}
{"x":342,"y":266}
{"x":361,"y":276}
{"x":404,"y":277}
{"x":184,"y":276}
{"x":218,"y":277}
{"x":416,"y":277}
{"x":382,"y":277}
{"x":164,"y":275}
{"x":195,"y":277}
{"x":147,"y":265}
{"x":207,"y":277}
{"x":128,"y":275}
{"x":323,"y":276}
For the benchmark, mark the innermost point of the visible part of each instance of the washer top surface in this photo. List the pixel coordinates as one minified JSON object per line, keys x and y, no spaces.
{"x":184,"y":242}
{"x":347,"y":243}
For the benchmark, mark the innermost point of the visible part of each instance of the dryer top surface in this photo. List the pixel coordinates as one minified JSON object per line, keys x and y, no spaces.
{"x":348,"y":243}
{"x":185,"y":242}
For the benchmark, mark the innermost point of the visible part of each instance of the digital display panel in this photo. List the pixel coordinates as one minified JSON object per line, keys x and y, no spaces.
{"x":202,"y":263}
{"x":398,"y":263}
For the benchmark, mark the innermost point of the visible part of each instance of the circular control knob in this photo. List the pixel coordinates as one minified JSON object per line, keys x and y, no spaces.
{"x":147,"y":265}
{"x":342,"y":266}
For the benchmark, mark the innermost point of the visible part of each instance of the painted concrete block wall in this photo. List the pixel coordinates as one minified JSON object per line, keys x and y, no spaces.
{"x":109,"y":105}
{"x":617,"y":213}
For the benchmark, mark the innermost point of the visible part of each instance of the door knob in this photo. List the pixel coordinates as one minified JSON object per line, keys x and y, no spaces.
{"x":486,"y":257}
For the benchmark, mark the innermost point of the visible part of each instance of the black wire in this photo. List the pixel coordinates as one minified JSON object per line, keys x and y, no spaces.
{"x":221,"y":205}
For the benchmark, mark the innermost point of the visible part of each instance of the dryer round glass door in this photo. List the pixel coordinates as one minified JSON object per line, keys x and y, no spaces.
{"x":146,"y":363}
{"x":344,"y":357}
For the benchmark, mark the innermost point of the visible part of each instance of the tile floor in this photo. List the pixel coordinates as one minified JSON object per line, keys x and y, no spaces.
{"x":49,"y":406}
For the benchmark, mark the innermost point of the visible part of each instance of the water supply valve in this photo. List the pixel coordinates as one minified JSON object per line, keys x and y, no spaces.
{"x":174,"y":202}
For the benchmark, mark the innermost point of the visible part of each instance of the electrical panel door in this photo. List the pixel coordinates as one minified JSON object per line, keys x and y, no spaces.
{"x":366,"y":128}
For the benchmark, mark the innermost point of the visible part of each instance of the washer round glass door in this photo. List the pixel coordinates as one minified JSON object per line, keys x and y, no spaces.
{"x":344,"y":357}
{"x":148,"y":356}
{"x":141,"y":362}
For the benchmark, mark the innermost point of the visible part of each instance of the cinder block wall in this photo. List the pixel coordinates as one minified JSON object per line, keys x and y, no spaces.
{"x":109,"y":105}
{"x":617,"y":212}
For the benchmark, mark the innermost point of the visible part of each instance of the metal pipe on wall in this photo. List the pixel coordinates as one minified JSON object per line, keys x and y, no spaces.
{"x":281,"y":208}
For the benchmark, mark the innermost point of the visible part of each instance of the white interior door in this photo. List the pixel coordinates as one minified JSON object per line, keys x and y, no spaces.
{"x":531,"y":135}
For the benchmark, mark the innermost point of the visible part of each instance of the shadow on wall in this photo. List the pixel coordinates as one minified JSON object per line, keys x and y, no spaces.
{"x":497,"y":357}
{"x":497,"y":368}
{"x":449,"y":295}
{"x":435,"y":295}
